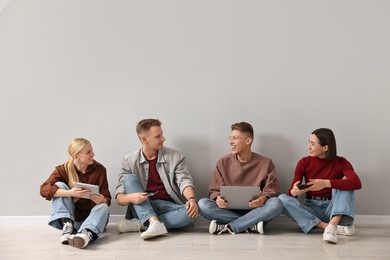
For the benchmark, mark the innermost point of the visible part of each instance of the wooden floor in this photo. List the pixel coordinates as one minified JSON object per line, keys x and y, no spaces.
{"x":281,"y":241}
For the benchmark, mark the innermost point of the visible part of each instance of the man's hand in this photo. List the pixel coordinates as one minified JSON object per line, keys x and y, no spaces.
{"x":221,"y":203}
{"x":256,"y":203}
{"x":137,"y":197}
{"x":192,"y":208}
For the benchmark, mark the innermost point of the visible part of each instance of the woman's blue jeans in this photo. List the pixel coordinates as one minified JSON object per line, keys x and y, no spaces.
{"x":311,"y":212}
{"x":240,"y":220}
{"x":174,"y":216}
{"x":63,"y":207}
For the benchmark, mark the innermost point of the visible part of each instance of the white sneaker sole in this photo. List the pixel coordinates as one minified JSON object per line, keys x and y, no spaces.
{"x":332,"y":240}
{"x":77,"y":242}
{"x":146,"y":235}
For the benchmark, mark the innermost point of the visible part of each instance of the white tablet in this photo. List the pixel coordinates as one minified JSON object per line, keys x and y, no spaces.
{"x":93,"y":188}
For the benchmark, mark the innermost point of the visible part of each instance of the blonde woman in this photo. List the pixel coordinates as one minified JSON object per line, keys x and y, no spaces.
{"x":81,"y":215}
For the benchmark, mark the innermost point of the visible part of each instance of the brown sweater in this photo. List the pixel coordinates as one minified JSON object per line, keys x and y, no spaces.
{"x":259,"y":171}
{"x":95,"y":174}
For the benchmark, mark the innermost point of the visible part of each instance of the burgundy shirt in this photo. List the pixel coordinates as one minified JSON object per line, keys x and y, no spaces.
{"x":95,"y":174}
{"x":155,"y":183}
{"x":339,"y":171}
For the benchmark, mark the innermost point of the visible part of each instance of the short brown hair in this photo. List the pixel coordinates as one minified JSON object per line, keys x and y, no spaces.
{"x":243,"y":127}
{"x":145,"y":124}
{"x":326,"y":137}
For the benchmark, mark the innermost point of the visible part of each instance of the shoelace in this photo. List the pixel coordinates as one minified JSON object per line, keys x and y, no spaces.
{"x":225,"y":228}
{"x":331,"y":230}
{"x":219,"y":228}
{"x":68,"y":228}
{"x":254,"y":229}
{"x":340,"y":230}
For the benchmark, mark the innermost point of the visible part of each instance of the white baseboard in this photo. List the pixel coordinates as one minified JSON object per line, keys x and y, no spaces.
{"x":42,"y":220}
{"x":372,"y":219}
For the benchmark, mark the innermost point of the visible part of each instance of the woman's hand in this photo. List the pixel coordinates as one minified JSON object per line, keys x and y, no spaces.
{"x":295,"y":191}
{"x":319,"y":184}
{"x":98,"y":198}
{"x":79,"y":192}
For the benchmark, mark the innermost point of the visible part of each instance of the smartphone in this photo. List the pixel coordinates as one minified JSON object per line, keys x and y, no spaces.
{"x":303,"y":186}
{"x":150,"y":194}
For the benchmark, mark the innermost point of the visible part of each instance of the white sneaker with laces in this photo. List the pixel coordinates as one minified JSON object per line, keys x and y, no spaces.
{"x":156,"y":228}
{"x":346,"y":230}
{"x":67,"y":230}
{"x":126,"y":225}
{"x":80,"y":240}
{"x":217,"y":229}
{"x":330,"y":234}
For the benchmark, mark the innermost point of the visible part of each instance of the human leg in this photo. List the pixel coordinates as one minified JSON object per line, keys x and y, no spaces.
{"x":130,"y":223}
{"x":173,"y":215}
{"x":91,"y":227}
{"x":144,"y":210}
{"x":209,"y":210}
{"x":341,"y":211}
{"x":61,"y":216}
{"x":303,"y":215}
{"x":220,"y":218}
{"x":61,"y":208}
{"x":270,"y":210}
{"x":97,"y":219}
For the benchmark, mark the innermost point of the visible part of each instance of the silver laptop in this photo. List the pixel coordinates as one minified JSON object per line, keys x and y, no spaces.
{"x":238,"y":197}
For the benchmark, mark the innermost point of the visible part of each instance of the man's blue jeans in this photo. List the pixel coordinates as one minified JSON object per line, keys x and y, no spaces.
{"x":240,"y":220}
{"x":311,"y":212}
{"x":174,"y":216}
{"x":63,"y":207}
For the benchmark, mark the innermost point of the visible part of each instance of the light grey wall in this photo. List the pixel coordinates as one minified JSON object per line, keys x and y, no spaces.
{"x":94,"y":68}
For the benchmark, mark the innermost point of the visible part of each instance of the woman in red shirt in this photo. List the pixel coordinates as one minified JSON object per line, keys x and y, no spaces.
{"x":331,"y":181}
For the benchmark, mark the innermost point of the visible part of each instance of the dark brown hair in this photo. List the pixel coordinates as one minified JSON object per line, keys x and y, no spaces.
{"x":243,"y":127}
{"x":326,"y":137}
{"x":145,"y":124}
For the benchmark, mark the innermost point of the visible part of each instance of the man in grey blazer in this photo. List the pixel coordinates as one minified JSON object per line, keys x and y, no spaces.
{"x":156,"y":183}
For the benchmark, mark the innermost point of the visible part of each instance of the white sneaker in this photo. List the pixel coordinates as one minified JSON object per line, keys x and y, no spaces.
{"x":258,"y":228}
{"x":330,"y":234}
{"x":67,"y":230}
{"x":80,"y":240}
{"x":346,"y":230}
{"x":125,"y":225}
{"x":156,"y":228}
